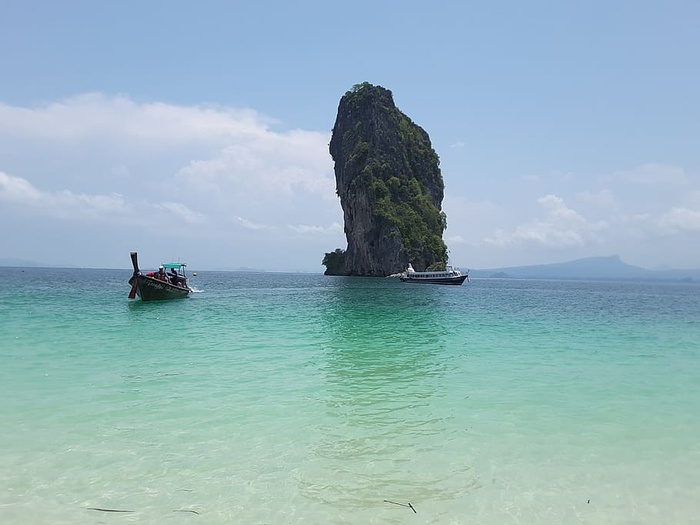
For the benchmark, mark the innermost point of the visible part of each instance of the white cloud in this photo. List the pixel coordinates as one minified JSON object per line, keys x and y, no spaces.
{"x":60,"y":203}
{"x":323,"y":230}
{"x":228,"y":148}
{"x":67,"y":205}
{"x":113,"y":203}
{"x":562,"y":226}
{"x":249,"y":225}
{"x":93,"y":115}
{"x":681,"y":219}
{"x":280,"y":164}
{"x":181,"y":211}
{"x":196,"y":163}
{"x":17,"y":189}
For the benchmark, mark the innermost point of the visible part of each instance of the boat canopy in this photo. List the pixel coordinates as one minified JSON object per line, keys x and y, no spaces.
{"x":177,"y":266}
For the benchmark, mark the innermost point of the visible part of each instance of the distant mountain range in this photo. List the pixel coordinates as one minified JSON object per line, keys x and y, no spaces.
{"x":603,"y":268}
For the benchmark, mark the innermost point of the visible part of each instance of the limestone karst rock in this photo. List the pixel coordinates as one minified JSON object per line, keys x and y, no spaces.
{"x":390,"y":187}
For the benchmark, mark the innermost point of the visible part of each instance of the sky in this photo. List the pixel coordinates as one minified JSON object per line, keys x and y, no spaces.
{"x":199,"y":131}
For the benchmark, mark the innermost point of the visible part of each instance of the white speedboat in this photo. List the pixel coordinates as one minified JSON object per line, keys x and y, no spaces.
{"x":449,"y":275}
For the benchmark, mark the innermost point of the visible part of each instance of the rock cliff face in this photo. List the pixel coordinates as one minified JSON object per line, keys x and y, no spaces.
{"x":390,"y":187}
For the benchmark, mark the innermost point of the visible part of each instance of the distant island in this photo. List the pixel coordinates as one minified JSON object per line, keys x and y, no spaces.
{"x":600,"y":268}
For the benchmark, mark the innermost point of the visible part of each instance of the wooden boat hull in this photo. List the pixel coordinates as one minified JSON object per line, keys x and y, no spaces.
{"x":457,"y":280}
{"x":152,"y":289}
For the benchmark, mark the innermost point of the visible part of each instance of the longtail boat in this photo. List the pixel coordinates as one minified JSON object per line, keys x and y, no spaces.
{"x":159,"y":285}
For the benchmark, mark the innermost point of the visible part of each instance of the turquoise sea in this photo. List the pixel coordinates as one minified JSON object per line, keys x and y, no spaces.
{"x":275,"y":398}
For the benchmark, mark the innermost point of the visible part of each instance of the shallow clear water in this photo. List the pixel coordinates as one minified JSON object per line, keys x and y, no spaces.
{"x":296,"y":398}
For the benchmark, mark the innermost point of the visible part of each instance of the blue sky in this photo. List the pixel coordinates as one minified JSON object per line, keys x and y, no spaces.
{"x":200,"y":131}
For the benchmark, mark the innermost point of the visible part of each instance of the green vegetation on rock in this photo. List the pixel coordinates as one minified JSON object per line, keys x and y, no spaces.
{"x":334,"y":262}
{"x":401,"y":203}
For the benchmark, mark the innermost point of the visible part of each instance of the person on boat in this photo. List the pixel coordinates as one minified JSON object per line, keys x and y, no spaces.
{"x":161,"y":274}
{"x":174,"y":277}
